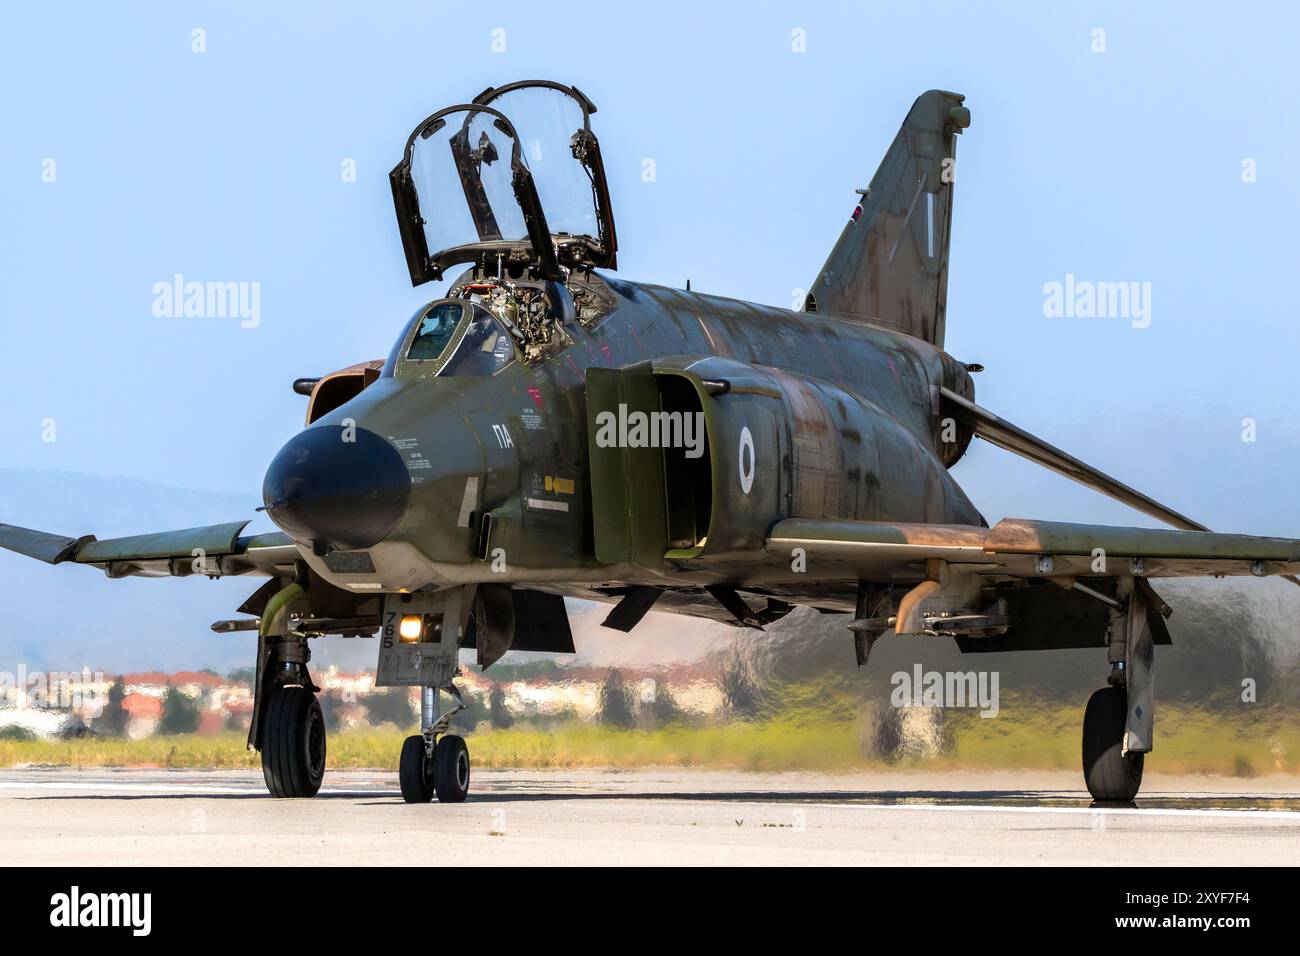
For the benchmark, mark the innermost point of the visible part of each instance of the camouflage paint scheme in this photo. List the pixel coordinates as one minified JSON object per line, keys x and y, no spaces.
{"x":825,"y":480}
{"x":845,"y":405}
{"x":819,"y":442}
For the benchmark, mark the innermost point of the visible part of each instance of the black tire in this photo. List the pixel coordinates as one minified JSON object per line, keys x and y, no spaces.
{"x":293,"y":748}
{"x":1111,"y":776}
{"x":451,"y":769}
{"x":415,"y":771}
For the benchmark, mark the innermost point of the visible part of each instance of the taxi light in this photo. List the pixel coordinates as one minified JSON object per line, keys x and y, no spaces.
{"x":411,"y":628}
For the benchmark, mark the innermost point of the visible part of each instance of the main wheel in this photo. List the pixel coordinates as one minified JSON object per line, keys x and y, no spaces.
{"x":451,"y":769}
{"x":1111,"y":775}
{"x":415,"y":771}
{"x":293,"y":749}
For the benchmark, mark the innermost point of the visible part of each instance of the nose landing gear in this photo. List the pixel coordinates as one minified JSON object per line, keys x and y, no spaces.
{"x":421,"y":639}
{"x":434,"y":761}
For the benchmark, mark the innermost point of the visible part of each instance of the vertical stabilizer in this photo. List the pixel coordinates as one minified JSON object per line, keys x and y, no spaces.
{"x":890,"y":264}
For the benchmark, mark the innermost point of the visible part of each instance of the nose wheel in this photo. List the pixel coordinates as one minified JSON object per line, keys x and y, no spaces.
{"x":434,"y":762}
{"x":445,"y":774}
{"x":415,"y":771}
{"x":451,"y":769}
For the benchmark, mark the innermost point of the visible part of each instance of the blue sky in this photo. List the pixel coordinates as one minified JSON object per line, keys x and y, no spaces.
{"x":226,"y":166}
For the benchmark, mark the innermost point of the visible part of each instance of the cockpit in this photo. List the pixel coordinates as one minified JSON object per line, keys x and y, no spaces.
{"x":513,"y":185}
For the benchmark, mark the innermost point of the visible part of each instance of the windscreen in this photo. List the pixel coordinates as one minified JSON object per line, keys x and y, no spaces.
{"x":435,"y":331}
{"x":484,"y":349}
{"x":461,"y":169}
{"x":451,"y":338}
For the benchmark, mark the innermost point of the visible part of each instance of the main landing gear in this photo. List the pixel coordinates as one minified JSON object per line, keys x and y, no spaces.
{"x":434,"y":761}
{"x":1119,"y":721}
{"x":287,"y":726}
{"x":293,"y":750}
{"x":1112,"y":775}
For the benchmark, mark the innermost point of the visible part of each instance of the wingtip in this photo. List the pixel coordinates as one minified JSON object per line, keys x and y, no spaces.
{"x":41,"y":545}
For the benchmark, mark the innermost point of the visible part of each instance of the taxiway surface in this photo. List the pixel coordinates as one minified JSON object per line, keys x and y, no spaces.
{"x":104,"y":817}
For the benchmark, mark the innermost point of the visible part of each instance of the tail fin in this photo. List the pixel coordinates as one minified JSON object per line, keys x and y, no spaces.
{"x":890,"y":264}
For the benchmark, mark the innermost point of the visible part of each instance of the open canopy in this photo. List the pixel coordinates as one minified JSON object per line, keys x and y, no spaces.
{"x":473,"y":186}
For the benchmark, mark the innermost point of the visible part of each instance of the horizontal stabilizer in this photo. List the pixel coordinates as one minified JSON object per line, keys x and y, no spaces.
{"x":1002,"y":433}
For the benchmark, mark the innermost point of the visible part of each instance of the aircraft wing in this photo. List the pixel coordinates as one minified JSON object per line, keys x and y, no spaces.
{"x":213,"y":550}
{"x":1020,"y":548}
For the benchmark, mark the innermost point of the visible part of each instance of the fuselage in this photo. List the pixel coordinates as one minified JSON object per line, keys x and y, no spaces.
{"x":863,"y":441}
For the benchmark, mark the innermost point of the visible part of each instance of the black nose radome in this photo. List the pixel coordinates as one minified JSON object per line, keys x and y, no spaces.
{"x":345,"y":486}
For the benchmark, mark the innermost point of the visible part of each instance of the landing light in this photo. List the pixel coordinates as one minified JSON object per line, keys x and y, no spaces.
{"x":411,"y":628}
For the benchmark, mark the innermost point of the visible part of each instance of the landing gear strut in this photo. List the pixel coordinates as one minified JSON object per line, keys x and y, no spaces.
{"x":434,"y":761}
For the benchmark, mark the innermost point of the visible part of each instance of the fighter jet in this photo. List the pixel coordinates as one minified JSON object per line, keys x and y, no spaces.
{"x":547,"y":430}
